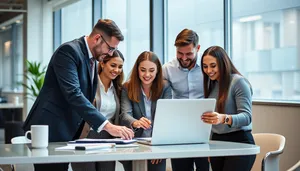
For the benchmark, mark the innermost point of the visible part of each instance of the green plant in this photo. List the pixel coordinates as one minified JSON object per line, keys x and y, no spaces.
{"x":35,"y":76}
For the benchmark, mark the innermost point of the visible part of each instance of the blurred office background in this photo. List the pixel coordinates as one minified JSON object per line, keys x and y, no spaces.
{"x":261,"y":36}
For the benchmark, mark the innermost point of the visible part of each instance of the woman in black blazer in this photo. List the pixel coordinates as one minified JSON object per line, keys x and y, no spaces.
{"x":110,"y":79}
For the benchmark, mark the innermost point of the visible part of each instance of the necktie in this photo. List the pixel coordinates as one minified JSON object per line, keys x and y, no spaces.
{"x":92,"y":64}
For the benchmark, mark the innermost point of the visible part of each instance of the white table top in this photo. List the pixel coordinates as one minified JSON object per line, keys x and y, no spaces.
{"x":11,"y":106}
{"x":18,"y":154}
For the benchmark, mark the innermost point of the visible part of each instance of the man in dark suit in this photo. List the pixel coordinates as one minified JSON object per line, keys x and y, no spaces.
{"x":65,"y":101}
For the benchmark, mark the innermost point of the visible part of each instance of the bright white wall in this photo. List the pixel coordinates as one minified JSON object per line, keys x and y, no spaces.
{"x":39,"y":40}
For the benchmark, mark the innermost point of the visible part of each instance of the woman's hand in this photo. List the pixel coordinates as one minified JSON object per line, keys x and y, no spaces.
{"x":142,"y":123}
{"x":214,"y":118}
{"x":156,"y":161}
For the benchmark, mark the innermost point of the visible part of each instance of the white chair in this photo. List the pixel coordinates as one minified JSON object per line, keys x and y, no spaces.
{"x":296,"y":167}
{"x":271,"y":146}
{"x":20,"y":140}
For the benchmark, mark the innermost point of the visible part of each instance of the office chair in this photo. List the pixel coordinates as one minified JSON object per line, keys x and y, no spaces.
{"x":296,"y":167}
{"x":271,"y":146}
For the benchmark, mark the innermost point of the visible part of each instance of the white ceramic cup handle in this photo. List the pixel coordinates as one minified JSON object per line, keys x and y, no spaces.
{"x":27,"y":132}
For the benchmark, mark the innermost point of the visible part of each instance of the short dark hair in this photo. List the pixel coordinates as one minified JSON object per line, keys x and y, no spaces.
{"x":186,"y":37}
{"x":109,"y":28}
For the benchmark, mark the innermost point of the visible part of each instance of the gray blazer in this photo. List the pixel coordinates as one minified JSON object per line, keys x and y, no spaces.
{"x":132,"y":111}
{"x":114,"y":120}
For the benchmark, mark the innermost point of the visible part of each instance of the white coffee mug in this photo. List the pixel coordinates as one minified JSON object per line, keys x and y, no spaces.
{"x":39,"y":136}
{"x":39,"y":152}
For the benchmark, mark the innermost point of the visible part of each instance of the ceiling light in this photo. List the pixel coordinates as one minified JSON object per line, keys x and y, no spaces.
{"x":292,"y":22}
{"x":250,"y":18}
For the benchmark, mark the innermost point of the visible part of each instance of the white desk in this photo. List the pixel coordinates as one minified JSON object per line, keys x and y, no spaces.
{"x":20,"y":154}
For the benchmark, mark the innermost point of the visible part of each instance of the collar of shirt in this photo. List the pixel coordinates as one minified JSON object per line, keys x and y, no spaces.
{"x":88,"y":49}
{"x":144,"y":94}
{"x":102,"y":86}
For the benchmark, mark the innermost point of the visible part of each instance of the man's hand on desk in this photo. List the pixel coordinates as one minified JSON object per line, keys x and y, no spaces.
{"x":119,"y":131}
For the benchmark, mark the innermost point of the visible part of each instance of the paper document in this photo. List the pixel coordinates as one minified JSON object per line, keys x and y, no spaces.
{"x":84,"y":146}
{"x":116,"y":141}
{"x":126,"y":145}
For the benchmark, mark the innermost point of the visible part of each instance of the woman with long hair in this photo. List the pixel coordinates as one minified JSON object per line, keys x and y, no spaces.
{"x":232,"y":120}
{"x":107,"y":101}
{"x":138,"y":100}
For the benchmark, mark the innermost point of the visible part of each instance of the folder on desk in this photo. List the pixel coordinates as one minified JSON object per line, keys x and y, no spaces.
{"x":116,"y":141}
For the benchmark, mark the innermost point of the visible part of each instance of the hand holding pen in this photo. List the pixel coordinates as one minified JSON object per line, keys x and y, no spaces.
{"x":142,"y":123}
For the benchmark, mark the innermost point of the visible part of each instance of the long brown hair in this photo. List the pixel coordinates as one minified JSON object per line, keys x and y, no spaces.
{"x":118,"y":81}
{"x":134,"y":83}
{"x":226,"y":68}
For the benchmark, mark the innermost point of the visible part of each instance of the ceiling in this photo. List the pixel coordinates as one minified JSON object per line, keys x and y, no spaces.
{"x":10,"y":9}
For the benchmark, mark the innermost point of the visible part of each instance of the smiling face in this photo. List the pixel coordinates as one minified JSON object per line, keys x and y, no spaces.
{"x":147,"y":72}
{"x":210,"y":67}
{"x":103,"y":47}
{"x":187,"y":55}
{"x":112,"y":68}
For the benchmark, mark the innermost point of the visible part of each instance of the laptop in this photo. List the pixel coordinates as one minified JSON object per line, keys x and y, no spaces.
{"x":178,"y":121}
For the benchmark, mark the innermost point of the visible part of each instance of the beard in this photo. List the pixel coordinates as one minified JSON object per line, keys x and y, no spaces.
{"x":99,"y":56}
{"x":190,"y":63}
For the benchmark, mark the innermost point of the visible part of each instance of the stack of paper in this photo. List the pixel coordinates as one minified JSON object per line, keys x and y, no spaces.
{"x":116,"y":141}
{"x":85,"y":146}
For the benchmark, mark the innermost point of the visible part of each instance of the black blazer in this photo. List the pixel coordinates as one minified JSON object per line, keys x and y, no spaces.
{"x":67,"y":94}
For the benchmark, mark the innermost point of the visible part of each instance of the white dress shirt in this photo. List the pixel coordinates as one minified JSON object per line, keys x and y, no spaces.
{"x":108,"y":103}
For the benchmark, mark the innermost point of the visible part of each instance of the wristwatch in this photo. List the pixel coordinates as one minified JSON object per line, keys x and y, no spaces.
{"x":226,"y":121}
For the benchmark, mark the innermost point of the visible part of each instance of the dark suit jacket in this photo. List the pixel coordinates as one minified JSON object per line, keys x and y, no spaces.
{"x":132,"y":111}
{"x":65,"y":99}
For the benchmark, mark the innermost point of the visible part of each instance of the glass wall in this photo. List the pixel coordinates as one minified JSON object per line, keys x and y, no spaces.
{"x":266,"y":47}
{"x":132,"y":16}
{"x":204,"y":17}
{"x":11,"y":56}
{"x":76,"y":20}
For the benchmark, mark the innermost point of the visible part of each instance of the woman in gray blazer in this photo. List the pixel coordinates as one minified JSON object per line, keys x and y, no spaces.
{"x":110,"y":79}
{"x":232,"y":120}
{"x":138,"y":101}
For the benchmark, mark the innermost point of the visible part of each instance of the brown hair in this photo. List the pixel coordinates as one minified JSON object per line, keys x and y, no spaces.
{"x":117,"y":82}
{"x":186,"y":37}
{"x":109,"y":28}
{"x":134,"y":83}
{"x":226,"y":68}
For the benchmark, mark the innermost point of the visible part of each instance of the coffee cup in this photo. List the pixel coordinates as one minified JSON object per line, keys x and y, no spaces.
{"x":38,"y":152}
{"x":39,"y":136}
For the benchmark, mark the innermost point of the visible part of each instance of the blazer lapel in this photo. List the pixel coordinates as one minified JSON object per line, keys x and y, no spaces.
{"x":86,"y":57}
{"x":142,"y":105}
{"x":98,"y":96}
{"x":87,"y":62}
{"x":116,"y":116}
{"x":95,"y":81}
{"x":153,"y":109}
